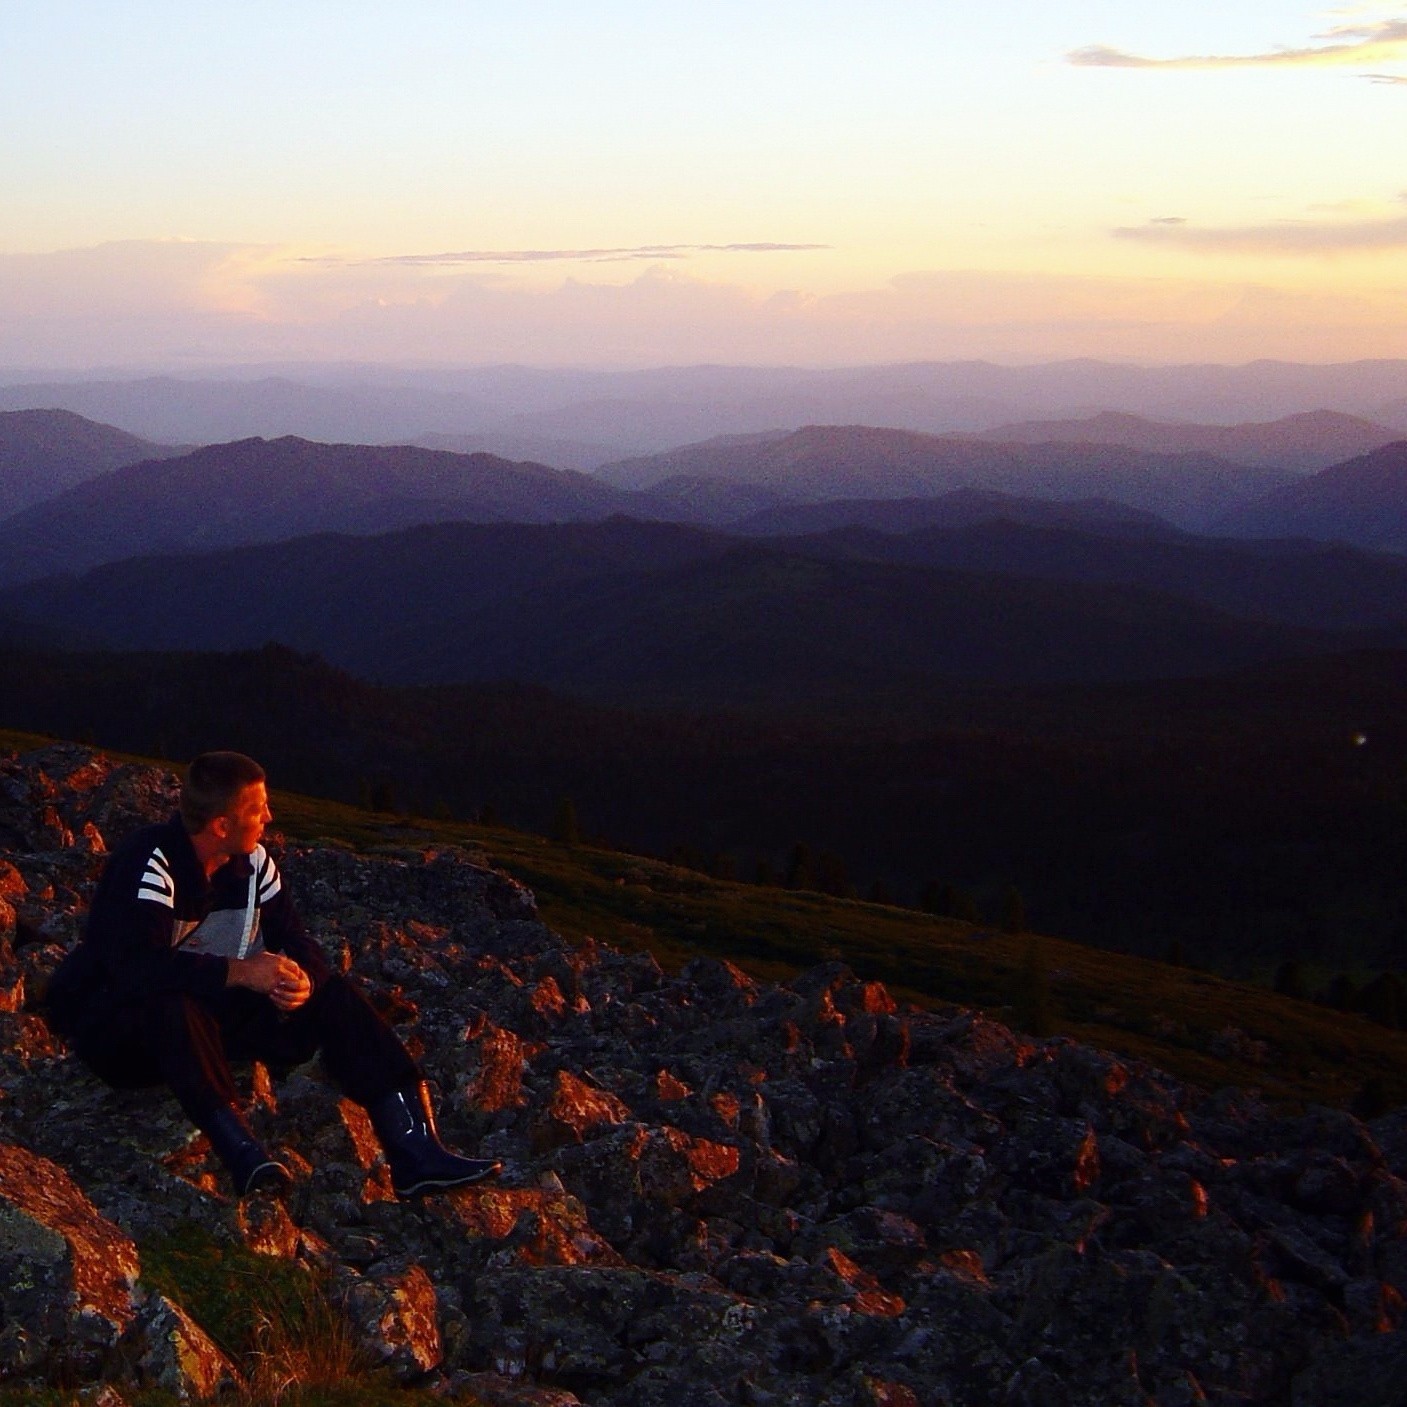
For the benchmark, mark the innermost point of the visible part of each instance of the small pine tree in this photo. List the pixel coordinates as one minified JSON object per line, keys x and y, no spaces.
{"x":800,"y":868}
{"x":1383,"y":1000}
{"x":1342,"y":993}
{"x":1289,"y":979}
{"x":1032,"y":1009}
{"x":948,"y":901}
{"x":831,"y":877}
{"x":1013,"y":911}
{"x":565,"y":830}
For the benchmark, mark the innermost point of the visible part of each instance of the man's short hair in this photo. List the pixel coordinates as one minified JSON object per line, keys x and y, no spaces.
{"x":212,"y":782}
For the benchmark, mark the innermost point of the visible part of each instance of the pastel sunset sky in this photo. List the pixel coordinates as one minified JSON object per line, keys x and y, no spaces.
{"x":469,"y":181}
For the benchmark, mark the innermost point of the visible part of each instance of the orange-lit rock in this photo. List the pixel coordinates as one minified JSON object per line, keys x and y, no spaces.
{"x":503,"y":1057}
{"x":364,"y":1141}
{"x":542,"y":1227}
{"x":727,"y":1106}
{"x":880,"y":1393}
{"x":876,"y":1000}
{"x":577,"y":1107}
{"x":67,"y":1274}
{"x":179,"y":1357}
{"x":395,"y":1315}
{"x":967,"y":1264}
{"x":668,"y":1089}
{"x":870,"y":1296}
{"x":266,"y":1228}
{"x":1085,"y":1173}
{"x":548,"y":1001}
{"x":12,"y":885}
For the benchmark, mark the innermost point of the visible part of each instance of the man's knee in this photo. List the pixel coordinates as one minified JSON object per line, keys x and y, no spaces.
{"x":133,"y":1045}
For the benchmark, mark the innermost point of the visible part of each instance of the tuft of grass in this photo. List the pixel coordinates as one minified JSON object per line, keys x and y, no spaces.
{"x":245,"y":1302}
{"x":275,"y":1320}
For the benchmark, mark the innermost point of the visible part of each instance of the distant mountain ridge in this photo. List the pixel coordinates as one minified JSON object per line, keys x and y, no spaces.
{"x":44,"y":452}
{"x":1300,"y":443}
{"x":1363,"y":501}
{"x":820,"y":462}
{"x":1296,"y":582}
{"x":957,"y":509}
{"x":266,"y":490}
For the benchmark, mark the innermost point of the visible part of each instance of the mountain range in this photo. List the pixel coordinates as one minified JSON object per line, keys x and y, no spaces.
{"x":839,"y":591}
{"x":74,"y":511}
{"x":632,"y":611}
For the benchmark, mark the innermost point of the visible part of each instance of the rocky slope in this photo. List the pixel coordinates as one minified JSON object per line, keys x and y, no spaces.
{"x":719,"y":1191}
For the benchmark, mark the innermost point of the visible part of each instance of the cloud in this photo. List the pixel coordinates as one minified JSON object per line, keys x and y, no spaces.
{"x":645,"y":252}
{"x":1288,"y":237}
{"x":1383,"y":41}
{"x":1384,"y":77}
{"x":171,"y":305}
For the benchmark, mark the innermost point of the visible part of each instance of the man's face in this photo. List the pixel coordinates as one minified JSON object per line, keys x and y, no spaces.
{"x":244,"y":822}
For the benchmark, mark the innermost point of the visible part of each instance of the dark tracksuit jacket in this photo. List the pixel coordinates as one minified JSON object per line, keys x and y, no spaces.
{"x":158,"y":925}
{"x":143,"y":997}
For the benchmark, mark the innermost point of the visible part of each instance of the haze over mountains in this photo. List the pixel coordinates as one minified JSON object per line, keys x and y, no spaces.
{"x":764,"y":484}
{"x":580,"y":419}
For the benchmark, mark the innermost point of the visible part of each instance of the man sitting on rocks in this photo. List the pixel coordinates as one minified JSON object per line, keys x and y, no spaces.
{"x":194,"y":955}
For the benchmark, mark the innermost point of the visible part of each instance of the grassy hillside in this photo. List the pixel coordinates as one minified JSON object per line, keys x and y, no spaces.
{"x":1202,"y":1028}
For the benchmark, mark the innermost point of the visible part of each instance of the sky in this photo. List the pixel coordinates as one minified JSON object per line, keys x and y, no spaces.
{"x":446,"y":182}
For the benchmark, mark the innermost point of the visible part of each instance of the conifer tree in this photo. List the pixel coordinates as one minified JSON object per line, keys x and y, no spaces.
{"x":565,"y":830}
{"x":800,"y":870}
{"x":1033,"y":1011}
{"x":1289,"y":979}
{"x":1013,"y":911}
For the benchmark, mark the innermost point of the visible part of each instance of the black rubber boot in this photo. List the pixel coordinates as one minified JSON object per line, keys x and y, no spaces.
{"x":251,"y":1167}
{"x":420,"y":1163}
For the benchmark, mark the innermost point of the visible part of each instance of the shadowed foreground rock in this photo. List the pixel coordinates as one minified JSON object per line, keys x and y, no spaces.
{"x":719,"y":1191}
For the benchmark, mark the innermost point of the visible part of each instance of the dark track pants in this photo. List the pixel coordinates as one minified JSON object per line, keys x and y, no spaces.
{"x":176,"y":1040}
